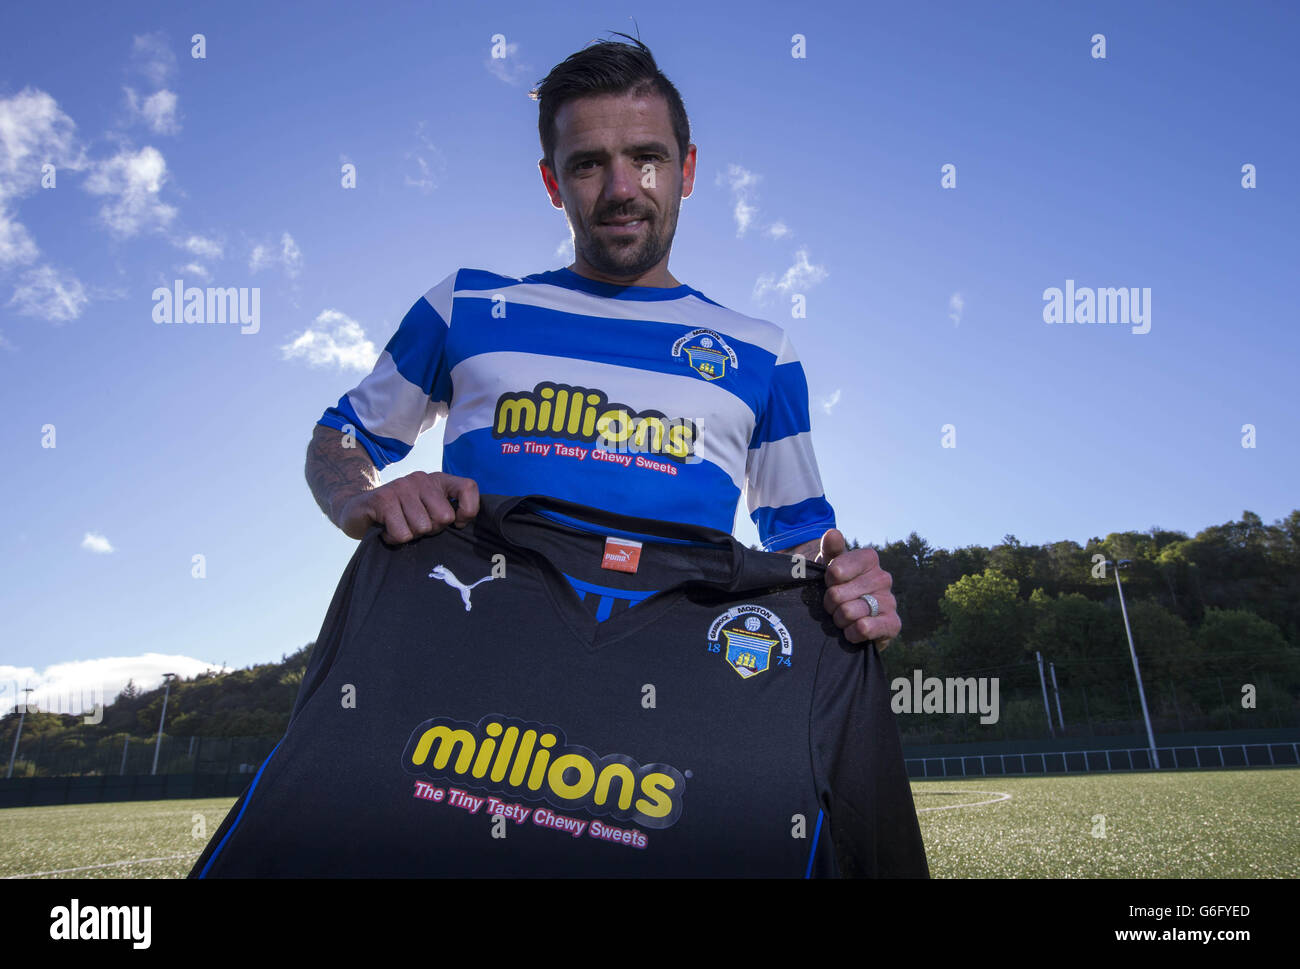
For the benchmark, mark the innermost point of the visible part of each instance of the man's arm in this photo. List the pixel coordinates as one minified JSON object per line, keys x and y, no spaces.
{"x":345,"y":484}
{"x":336,"y":473}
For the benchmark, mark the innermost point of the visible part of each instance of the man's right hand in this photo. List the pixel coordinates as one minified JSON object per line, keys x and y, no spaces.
{"x":408,"y":507}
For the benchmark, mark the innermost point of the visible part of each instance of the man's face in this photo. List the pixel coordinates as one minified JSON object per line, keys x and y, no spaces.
{"x":616,"y":160}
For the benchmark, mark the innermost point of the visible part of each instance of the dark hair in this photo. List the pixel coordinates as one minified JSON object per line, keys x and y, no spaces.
{"x":606,"y":67}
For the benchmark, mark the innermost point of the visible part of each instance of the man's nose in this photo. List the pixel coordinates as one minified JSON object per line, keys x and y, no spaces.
{"x":622,"y":183}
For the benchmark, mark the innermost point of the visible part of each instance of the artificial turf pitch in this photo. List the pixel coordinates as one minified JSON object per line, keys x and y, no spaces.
{"x":1167,"y":824}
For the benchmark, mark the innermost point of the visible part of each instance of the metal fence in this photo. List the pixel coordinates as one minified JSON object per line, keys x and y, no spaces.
{"x":86,"y":753}
{"x":1100,"y":761}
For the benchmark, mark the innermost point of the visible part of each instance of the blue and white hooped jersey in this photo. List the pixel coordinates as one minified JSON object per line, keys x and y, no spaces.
{"x":651,"y":402}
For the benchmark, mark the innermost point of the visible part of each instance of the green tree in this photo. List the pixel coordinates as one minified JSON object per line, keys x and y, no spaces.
{"x":987,"y":620}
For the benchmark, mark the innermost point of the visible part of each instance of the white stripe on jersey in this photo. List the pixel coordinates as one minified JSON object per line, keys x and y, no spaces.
{"x":389,"y":405}
{"x":725,"y":422}
{"x":782,"y":472}
{"x":439,"y":297}
{"x":689,"y":310}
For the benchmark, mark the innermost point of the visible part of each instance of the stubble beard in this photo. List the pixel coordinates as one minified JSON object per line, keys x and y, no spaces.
{"x":614,"y":258}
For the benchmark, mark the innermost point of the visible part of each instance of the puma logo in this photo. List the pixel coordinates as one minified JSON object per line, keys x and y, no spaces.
{"x":446,"y":575}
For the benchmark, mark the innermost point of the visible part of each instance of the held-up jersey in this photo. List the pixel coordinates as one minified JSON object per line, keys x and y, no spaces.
{"x":539,"y":694}
{"x":659,"y":398}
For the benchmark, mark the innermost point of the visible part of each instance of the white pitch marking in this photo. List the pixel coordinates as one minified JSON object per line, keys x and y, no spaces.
{"x":111,"y":864}
{"x":948,"y":807}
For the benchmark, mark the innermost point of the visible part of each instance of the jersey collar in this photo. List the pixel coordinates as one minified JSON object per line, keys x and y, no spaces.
{"x":568,"y":279}
{"x":748,"y":569}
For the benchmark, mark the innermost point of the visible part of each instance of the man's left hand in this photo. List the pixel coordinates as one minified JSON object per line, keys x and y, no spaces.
{"x":849,"y":576}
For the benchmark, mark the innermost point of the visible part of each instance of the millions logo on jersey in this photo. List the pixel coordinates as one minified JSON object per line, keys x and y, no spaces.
{"x":746,"y":636}
{"x":586,"y":415}
{"x":707,"y":353}
{"x":533,"y":760}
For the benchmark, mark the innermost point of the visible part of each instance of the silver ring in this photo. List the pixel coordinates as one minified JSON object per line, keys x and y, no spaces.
{"x":874,"y":603}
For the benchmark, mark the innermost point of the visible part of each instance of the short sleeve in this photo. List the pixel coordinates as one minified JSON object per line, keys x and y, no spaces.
{"x":782,"y":485}
{"x":409,"y":387}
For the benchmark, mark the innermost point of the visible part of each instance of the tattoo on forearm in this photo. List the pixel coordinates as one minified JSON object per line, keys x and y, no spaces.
{"x":336,"y":473}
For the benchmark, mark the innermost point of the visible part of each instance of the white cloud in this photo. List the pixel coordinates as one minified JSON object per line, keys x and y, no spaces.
{"x":202,"y":247}
{"x":33,"y":132}
{"x":96,"y":543}
{"x":797,"y":278}
{"x":334,"y":339}
{"x":565,"y":249}
{"x":507,"y":69}
{"x":742,"y":183}
{"x":288,"y":257}
{"x":830,"y":400}
{"x":17,"y":248}
{"x":158,"y":111}
{"x":428,"y":159}
{"x":76,"y":687}
{"x":152,"y":56}
{"x":777,"y":230}
{"x":133,"y":181}
{"x":49,"y":294}
{"x":194,"y":269}
{"x":955,"y":306}
{"x":744,"y":214}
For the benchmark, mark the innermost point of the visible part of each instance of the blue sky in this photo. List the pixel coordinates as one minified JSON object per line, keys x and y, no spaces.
{"x":818,"y":175}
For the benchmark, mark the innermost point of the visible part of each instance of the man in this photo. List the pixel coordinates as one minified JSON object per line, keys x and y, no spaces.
{"x":475,"y":351}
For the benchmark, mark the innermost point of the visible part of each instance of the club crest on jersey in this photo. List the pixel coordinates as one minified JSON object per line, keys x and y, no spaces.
{"x":706,"y":353}
{"x":746,"y":636}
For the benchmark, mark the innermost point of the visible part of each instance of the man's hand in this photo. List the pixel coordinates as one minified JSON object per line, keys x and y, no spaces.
{"x":416,"y":504}
{"x":850,"y":575}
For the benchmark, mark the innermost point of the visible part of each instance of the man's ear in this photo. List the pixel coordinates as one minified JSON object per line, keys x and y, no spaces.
{"x":688,"y":172}
{"x":552,"y":186}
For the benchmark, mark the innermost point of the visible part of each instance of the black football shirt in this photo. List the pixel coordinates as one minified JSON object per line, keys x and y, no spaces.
{"x":557,"y":690}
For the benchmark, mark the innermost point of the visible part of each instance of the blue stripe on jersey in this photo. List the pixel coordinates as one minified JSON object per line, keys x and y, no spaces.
{"x":482,"y":279}
{"x":795,"y":524}
{"x":786,"y":410}
{"x":638,"y":344}
{"x":615,"y":532}
{"x":813,"y":853}
{"x":383,"y":451}
{"x":608,"y":596}
{"x":700,"y":493}
{"x":242,"y":807}
{"x":632,"y":596}
{"x":605,"y":607}
{"x":418,"y":347}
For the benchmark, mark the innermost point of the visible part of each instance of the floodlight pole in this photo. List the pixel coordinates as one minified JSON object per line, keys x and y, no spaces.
{"x":1056,"y":692}
{"x":21,"y":717}
{"x":168,"y":677}
{"x":1142,"y":696}
{"x":1047,"y":709}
